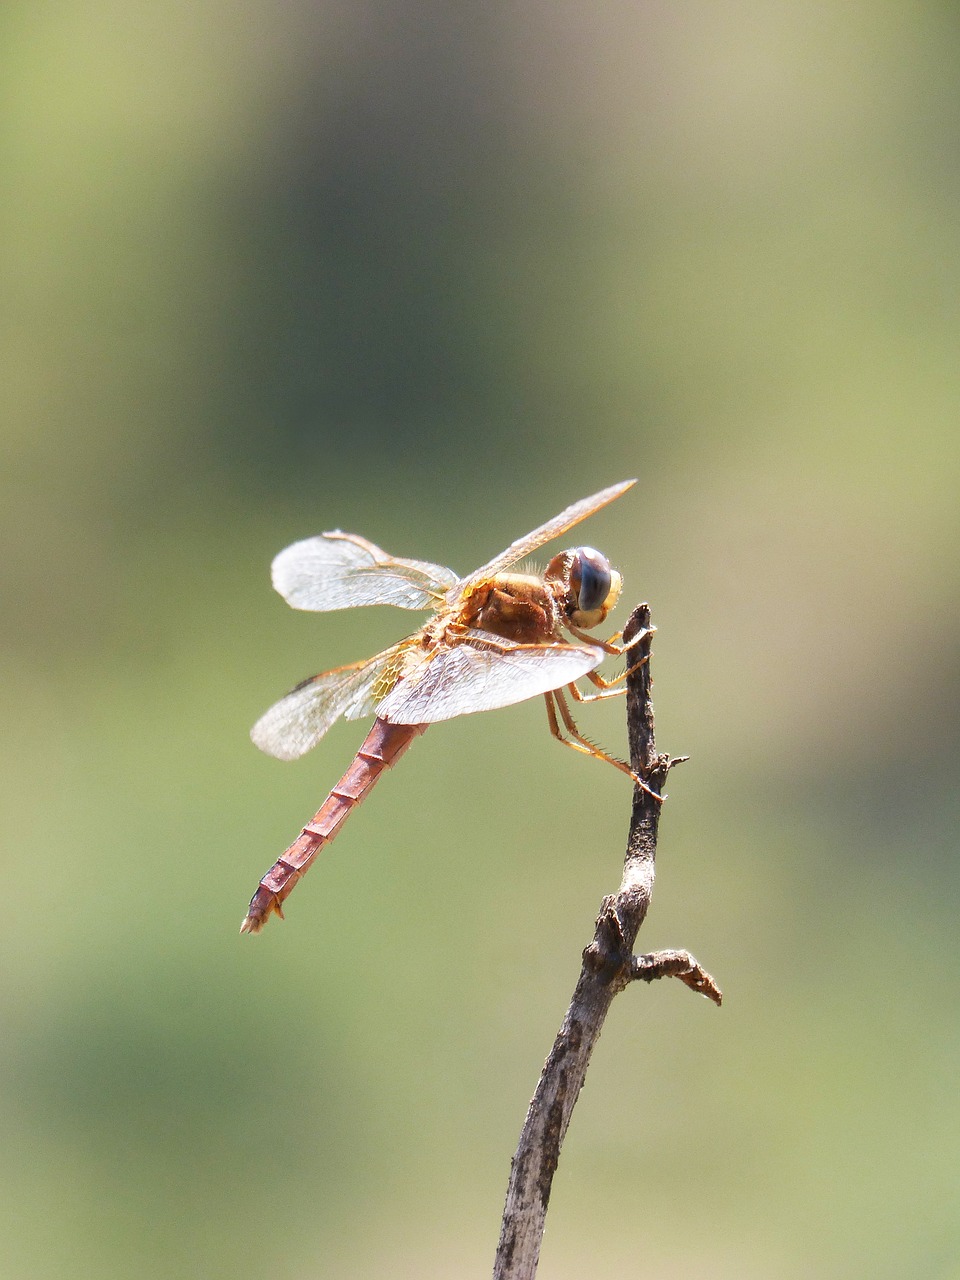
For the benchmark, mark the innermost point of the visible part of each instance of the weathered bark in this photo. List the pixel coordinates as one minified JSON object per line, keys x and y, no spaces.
{"x":608,"y":966}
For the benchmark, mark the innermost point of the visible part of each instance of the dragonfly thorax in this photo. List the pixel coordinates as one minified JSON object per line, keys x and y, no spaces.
{"x":516,"y":606}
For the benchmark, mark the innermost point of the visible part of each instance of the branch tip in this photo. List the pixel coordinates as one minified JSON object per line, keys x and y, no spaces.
{"x":676,"y":964}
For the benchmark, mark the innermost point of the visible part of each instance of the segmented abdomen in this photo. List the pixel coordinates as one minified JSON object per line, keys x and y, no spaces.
{"x":382,"y":747}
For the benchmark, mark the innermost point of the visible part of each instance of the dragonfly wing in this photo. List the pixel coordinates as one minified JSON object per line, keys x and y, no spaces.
{"x":552,"y":529}
{"x":338,"y":570}
{"x":481,"y":673}
{"x":298,"y":721}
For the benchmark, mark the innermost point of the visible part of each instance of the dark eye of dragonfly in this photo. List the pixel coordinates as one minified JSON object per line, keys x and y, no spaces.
{"x":593,"y":571}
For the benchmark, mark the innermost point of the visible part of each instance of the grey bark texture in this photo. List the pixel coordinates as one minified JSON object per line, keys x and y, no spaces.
{"x":608,"y":966}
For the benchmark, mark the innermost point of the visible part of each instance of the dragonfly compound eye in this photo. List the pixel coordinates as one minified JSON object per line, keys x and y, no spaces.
{"x":593,"y":571}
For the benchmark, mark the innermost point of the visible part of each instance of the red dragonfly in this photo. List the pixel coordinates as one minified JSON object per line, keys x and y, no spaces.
{"x":495,"y":638}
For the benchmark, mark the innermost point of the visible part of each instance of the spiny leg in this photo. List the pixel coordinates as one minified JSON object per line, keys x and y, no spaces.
{"x":608,"y":688}
{"x":615,"y":650}
{"x":556,"y":701}
{"x":613,"y":645}
{"x":579,"y":741}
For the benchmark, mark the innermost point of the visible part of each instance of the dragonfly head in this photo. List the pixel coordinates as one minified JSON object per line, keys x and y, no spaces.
{"x":588,"y":586}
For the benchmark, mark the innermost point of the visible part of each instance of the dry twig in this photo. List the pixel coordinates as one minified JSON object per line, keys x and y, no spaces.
{"x":609,"y":965}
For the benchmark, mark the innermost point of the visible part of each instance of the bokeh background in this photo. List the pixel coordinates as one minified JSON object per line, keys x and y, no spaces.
{"x":430,"y":272}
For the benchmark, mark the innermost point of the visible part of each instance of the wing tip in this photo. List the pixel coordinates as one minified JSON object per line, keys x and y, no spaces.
{"x":270,"y":748}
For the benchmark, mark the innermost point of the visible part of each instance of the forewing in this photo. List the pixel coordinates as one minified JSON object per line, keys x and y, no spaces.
{"x":552,"y":529}
{"x":298,"y":721}
{"x":481,"y":673}
{"x":338,"y":570}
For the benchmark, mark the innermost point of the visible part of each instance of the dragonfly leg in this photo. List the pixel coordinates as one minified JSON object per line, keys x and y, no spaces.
{"x":608,"y":688}
{"x":614,"y":646}
{"x":556,"y":701}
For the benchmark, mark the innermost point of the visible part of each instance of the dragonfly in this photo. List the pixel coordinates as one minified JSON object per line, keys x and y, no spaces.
{"x":495,"y":638}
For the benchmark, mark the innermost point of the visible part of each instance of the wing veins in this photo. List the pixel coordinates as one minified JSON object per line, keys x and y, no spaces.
{"x":481,"y":673}
{"x":297,"y":722}
{"x":551,"y":529}
{"x":342,"y":570}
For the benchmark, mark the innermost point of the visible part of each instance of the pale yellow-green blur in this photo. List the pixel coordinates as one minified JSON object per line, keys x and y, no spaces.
{"x":430,"y":272}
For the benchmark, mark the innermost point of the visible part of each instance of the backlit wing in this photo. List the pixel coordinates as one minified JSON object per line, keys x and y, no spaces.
{"x":482,"y":672}
{"x":552,"y":529}
{"x":338,"y":570}
{"x":297,"y":722}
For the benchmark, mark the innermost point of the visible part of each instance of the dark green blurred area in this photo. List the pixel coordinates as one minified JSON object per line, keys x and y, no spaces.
{"x":430,"y":273}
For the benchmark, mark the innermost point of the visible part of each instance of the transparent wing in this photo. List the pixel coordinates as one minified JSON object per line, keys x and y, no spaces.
{"x":298,"y":721}
{"x":552,"y":529}
{"x":483,"y":672}
{"x":338,"y":570}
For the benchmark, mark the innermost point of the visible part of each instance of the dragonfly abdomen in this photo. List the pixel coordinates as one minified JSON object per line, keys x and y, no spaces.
{"x":382,"y":747}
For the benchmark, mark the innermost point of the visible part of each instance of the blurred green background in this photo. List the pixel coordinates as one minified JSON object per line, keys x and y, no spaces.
{"x":430,"y":272}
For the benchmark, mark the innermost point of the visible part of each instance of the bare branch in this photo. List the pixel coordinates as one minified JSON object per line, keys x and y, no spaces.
{"x":608,"y":966}
{"x":676,"y":964}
